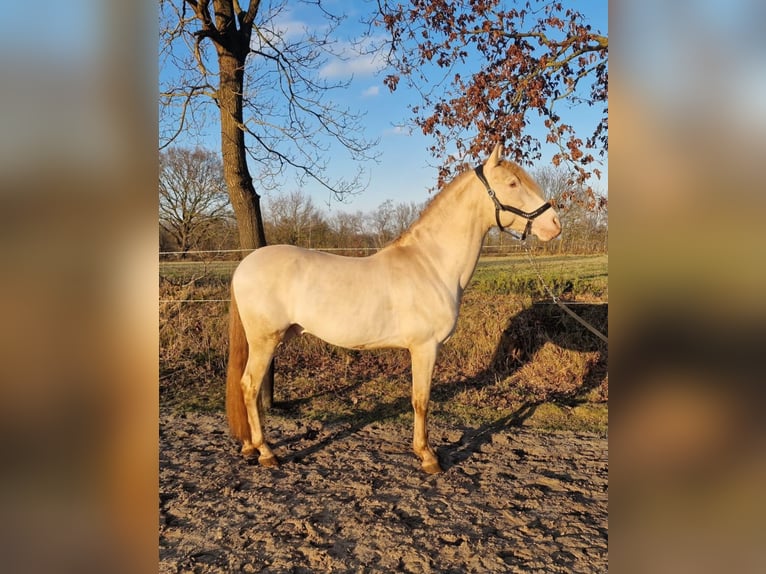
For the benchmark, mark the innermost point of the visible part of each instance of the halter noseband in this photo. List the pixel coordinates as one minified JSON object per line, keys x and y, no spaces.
{"x":528,"y":215}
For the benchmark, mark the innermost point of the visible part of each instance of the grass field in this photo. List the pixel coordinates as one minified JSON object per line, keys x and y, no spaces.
{"x":583,"y":275}
{"x":512,"y":359}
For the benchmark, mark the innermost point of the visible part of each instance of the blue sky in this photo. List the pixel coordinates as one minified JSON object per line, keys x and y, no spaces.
{"x":405,"y":170}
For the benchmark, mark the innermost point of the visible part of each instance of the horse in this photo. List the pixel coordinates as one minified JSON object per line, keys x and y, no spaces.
{"x":406,"y":295}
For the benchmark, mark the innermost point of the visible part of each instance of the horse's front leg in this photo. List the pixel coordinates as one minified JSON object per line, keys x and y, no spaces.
{"x":423,"y":359}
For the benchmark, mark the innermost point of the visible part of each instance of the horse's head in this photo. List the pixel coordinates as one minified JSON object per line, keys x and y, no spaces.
{"x":518,"y":201}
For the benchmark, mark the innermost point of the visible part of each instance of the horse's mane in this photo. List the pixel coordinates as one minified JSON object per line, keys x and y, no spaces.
{"x":449,"y":192}
{"x":434,"y":206}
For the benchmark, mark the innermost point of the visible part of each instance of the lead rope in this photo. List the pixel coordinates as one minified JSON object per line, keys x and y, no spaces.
{"x":557,"y":301}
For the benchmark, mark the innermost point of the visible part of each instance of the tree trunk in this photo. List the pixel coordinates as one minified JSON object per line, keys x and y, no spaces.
{"x":244,"y":199}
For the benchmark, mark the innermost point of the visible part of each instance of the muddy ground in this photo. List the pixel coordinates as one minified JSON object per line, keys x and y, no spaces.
{"x":353,"y":499}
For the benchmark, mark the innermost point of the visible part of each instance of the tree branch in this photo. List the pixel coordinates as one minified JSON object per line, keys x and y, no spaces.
{"x":202,"y":12}
{"x":252,"y":10}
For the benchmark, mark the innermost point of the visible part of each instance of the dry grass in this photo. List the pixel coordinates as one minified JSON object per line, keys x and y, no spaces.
{"x":509,"y":357}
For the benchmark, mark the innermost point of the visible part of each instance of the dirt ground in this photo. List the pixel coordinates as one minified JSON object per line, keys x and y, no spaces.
{"x":353,"y":499}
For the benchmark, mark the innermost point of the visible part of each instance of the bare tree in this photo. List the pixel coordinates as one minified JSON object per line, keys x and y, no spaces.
{"x":262,"y":78}
{"x":555,"y":183}
{"x":583,"y":213}
{"x":382,"y":222}
{"x":193,"y":195}
{"x":348,"y":229}
{"x":405,"y":214}
{"x":293,"y":217}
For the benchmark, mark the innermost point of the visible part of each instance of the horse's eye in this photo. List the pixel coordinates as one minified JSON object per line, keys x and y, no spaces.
{"x":515,"y":183}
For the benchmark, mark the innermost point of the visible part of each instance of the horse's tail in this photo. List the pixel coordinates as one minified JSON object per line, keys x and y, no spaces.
{"x":235,"y":399}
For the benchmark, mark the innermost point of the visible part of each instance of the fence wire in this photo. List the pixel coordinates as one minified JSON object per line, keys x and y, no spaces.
{"x":210,"y":266}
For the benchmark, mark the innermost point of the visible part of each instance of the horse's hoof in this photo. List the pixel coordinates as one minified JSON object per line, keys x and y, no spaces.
{"x":247,"y":451}
{"x":432,"y":467}
{"x":268,"y":461}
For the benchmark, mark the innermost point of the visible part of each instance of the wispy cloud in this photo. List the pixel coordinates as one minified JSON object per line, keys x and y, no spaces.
{"x":357,"y":59}
{"x":398,"y":131}
{"x":292,"y":29}
{"x":284,"y":28}
{"x":358,"y":65}
{"x":371,"y":92}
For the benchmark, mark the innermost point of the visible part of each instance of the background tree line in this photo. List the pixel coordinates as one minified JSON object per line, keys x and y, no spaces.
{"x":194,"y":214}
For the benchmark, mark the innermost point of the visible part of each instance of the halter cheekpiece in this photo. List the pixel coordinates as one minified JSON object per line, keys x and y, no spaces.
{"x":528,"y":215}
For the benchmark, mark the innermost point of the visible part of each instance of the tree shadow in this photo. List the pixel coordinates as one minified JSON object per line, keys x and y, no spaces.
{"x":524,"y":335}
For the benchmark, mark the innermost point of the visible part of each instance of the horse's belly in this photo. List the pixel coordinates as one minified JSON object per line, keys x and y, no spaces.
{"x":360,"y":330}
{"x":355,"y":335}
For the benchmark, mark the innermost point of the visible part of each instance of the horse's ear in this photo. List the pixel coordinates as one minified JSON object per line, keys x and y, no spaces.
{"x":497,"y":154}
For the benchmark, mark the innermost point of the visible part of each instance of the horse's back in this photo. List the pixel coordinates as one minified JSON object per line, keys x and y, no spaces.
{"x":283,"y":267}
{"x":386,"y":299}
{"x":284,"y":285}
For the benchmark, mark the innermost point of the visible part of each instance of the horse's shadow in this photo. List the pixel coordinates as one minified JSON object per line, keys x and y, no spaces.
{"x":524,"y":335}
{"x":543,"y":323}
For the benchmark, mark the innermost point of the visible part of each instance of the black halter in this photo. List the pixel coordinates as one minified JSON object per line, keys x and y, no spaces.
{"x":528,"y":215}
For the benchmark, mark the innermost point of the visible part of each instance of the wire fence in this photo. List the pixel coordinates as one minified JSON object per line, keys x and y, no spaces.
{"x":209,"y":255}
{"x":185,"y":268}
{"x":190,"y":269}
{"x":196,"y":252}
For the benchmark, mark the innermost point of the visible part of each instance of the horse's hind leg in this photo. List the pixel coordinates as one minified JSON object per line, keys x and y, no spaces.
{"x":258,"y":361}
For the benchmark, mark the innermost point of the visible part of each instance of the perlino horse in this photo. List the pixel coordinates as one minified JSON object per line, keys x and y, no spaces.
{"x":406,"y":295}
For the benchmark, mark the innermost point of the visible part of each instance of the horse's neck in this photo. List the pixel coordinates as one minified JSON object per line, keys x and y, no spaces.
{"x":451,"y":232}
